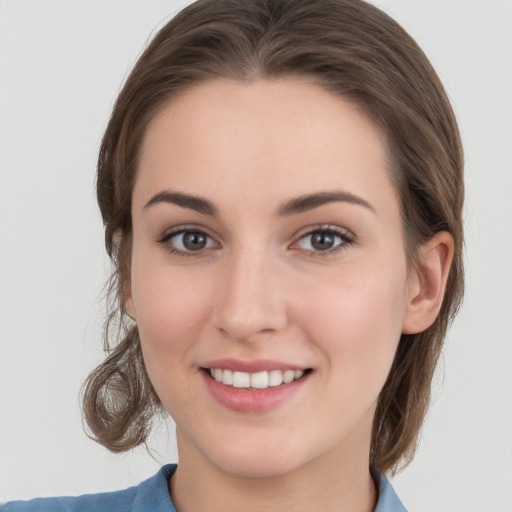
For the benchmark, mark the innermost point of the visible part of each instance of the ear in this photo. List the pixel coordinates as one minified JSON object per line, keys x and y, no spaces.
{"x":128,"y":306}
{"x":427,"y":283}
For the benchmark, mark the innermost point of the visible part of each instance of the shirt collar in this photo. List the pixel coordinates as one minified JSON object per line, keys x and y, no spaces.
{"x":388,"y":500}
{"x":153,"y":494}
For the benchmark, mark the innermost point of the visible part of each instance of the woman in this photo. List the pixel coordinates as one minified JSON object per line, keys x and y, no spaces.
{"x":281,"y":187}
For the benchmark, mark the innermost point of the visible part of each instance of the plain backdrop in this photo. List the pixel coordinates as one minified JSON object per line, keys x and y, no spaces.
{"x":62,"y":63}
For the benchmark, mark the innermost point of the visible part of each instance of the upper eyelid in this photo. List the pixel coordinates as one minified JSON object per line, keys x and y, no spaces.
{"x":348,"y":239}
{"x":308,"y":230}
{"x":165,"y":241}
{"x":169,"y":233}
{"x":344,"y":232}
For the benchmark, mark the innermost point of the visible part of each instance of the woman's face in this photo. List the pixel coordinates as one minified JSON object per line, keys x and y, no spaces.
{"x":268,"y":253}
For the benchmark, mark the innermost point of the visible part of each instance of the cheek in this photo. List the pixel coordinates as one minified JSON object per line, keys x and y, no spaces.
{"x":171,"y":313}
{"x":356,"y":319}
{"x":171,"y":309}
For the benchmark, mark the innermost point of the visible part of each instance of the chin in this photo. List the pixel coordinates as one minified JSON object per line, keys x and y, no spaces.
{"x":256,"y":466}
{"x":263,"y":457}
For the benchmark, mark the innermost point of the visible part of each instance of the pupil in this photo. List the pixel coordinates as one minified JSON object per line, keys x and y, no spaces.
{"x":194,"y":241}
{"x":322,"y":241}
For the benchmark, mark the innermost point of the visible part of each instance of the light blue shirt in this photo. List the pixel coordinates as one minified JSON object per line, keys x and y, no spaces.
{"x":152,"y":495}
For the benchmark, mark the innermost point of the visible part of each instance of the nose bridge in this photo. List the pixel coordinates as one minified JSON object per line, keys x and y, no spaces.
{"x":251,"y":301}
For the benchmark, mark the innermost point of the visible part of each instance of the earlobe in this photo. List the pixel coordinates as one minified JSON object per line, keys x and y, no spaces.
{"x":428,"y":283}
{"x":128,"y":306}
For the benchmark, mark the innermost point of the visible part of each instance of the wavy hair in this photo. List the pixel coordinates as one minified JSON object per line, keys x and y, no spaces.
{"x":352,"y":49}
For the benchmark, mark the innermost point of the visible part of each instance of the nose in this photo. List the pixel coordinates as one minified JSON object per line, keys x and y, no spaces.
{"x":251,"y":301}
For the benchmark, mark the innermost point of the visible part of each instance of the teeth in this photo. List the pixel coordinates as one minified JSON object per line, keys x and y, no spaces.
{"x":227,"y":377}
{"x":288,"y":376}
{"x":275,"y":378}
{"x":260,"y":380}
{"x":241,"y":380}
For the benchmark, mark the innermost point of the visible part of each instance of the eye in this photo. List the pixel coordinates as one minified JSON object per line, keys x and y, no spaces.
{"x":324,"y":240}
{"x":187,"y":241}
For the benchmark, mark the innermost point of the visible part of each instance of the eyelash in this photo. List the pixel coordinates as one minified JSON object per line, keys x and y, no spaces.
{"x":165,"y":240}
{"x":346,"y":239}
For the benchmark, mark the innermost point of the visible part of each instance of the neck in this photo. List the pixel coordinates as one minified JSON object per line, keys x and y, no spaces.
{"x":337,"y":482}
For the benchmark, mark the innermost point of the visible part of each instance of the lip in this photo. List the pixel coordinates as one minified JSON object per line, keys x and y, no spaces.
{"x":254,"y":401}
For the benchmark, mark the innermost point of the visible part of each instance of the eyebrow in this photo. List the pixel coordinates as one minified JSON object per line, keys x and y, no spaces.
{"x":293,"y":206}
{"x":196,"y":203}
{"x":310,"y":201}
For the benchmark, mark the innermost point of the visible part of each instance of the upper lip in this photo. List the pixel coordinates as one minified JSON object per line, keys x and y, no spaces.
{"x":251,"y":366}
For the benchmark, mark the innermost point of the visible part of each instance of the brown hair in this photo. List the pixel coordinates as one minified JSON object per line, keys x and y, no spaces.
{"x":352,"y":49}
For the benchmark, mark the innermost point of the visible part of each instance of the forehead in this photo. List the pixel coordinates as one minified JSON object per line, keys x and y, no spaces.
{"x":282,"y":137}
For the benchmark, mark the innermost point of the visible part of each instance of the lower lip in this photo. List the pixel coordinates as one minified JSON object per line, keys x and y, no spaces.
{"x":252,"y":400}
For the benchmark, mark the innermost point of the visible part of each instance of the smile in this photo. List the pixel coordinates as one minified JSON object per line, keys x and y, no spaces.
{"x":258,"y":380}
{"x":254,"y":386}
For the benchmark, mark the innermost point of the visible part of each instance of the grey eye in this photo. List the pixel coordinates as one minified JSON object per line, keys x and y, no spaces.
{"x":191,"y":241}
{"x":321,"y":240}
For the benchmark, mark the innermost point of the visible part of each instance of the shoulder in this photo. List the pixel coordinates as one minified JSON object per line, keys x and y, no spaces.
{"x":152,"y":494}
{"x":104,"y":502}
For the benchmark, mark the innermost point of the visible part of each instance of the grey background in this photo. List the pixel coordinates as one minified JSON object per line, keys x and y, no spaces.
{"x":61,"y":64}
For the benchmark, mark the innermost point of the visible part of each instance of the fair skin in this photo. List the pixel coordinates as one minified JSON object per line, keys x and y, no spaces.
{"x":267,"y":236}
